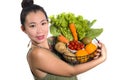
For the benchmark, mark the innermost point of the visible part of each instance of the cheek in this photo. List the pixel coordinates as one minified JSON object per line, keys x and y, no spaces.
{"x":31,"y":33}
{"x":46,"y":30}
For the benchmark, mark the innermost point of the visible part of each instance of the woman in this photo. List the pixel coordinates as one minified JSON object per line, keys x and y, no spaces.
{"x":44,"y":64}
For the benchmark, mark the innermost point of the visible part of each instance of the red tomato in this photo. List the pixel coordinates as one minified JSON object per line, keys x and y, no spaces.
{"x":75,"y":45}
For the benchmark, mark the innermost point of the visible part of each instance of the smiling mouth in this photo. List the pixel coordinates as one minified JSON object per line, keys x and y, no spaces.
{"x":40,"y":37}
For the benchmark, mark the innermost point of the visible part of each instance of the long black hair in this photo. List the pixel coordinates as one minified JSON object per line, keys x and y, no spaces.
{"x":29,"y":6}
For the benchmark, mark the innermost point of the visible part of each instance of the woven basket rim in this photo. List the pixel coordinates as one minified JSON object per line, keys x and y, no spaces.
{"x":77,"y":56}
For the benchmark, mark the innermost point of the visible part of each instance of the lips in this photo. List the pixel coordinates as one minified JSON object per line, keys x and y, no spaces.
{"x":40,"y":37}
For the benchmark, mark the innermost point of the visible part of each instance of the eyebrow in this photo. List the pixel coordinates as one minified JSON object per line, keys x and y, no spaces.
{"x":40,"y":21}
{"x":43,"y":20}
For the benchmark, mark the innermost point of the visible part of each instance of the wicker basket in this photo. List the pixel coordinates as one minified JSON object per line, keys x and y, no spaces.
{"x":79,"y":59}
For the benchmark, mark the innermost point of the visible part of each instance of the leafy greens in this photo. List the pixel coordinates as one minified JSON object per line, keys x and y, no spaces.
{"x":60,"y":25}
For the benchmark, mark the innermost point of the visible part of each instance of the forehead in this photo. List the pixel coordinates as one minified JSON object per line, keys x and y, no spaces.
{"x":35,"y":16}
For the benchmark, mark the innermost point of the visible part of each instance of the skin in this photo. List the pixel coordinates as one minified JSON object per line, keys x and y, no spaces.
{"x":42,"y":61}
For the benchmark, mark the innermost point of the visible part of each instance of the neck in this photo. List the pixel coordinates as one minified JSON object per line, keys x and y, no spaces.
{"x":42,"y":44}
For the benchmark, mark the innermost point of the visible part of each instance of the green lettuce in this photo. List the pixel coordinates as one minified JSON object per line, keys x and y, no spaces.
{"x":59,"y":24}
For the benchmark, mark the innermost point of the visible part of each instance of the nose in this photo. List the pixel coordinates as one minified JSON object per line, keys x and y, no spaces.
{"x":39,"y":30}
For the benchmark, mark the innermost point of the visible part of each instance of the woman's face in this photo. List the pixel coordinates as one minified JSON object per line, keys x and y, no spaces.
{"x":36,"y":26}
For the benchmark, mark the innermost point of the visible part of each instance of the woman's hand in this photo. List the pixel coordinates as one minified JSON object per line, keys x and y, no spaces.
{"x":101,"y":51}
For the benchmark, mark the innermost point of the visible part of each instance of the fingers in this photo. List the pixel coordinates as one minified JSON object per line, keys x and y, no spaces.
{"x":96,"y":57}
{"x":101,"y":51}
{"x":98,"y":51}
{"x":97,"y":54}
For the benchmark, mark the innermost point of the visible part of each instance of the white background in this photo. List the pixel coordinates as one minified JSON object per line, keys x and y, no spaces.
{"x":13,"y":42}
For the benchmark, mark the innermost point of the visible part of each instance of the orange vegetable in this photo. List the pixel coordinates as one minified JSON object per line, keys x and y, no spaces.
{"x":82,"y":56}
{"x":61,"y":38}
{"x":73,"y":31}
{"x":90,"y":48}
{"x":81,"y":53}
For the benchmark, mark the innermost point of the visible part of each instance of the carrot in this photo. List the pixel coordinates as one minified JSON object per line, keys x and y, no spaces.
{"x":61,"y":38}
{"x":73,"y":31}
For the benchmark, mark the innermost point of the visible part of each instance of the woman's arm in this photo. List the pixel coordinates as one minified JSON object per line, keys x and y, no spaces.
{"x":97,"y":60}
{"x":45,"y":61}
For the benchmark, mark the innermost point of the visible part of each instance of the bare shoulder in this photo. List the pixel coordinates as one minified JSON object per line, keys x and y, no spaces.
{"x":39,"y":55}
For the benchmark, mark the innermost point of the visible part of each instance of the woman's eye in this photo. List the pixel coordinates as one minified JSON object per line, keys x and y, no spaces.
{"x":32,"y":25}
{"x":44,"y":23}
